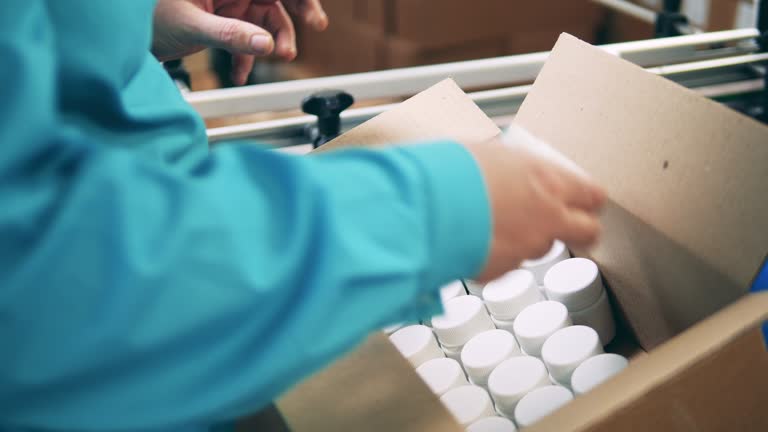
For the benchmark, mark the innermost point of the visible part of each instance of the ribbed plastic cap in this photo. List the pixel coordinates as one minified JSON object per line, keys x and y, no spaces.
{"x":567,"y":348}
{"x":492,"y":424}
{"x":539,"y":266}
{"x":468,"y":404}
{"x":416,"y":343}
{"x":441,"y":375}
{"x":513,"y":379}
{"x":507,"y":325}
{"x":540,"y":403}
{"x":537,"y":322}
{"x":574,"y":282}
{"x":507,"y":296}
{"x":485,"y":351}
{"x":595,"y":371}
{"x":464,"y":317}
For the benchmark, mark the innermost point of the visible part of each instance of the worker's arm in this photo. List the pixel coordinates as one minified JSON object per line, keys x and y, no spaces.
{"x":132,"y":297}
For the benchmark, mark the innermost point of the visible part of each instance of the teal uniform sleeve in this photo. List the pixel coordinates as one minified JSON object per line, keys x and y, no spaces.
{"x":133,"y":297}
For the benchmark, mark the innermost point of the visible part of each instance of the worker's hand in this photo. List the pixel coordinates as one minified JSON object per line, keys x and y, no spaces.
{"x":246,"y":28}
{"x":534,"y":200}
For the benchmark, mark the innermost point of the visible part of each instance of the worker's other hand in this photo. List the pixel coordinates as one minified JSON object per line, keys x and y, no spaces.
{"x":246,"y":28}
{"x":534,"y":199}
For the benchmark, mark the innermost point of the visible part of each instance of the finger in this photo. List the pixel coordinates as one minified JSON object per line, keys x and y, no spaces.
{"x":573,"y":188}
{"x":233,"y":35}
{"x":275,"y":19}
{"x":242,"y":64}
{"x":309,"y":11}
{"x":582,"y":193}
{"x":578,"y":228}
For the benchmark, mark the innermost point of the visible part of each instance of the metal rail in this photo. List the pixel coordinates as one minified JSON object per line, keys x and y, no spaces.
{"x":491,"y":72}
{"x":495,"y":102}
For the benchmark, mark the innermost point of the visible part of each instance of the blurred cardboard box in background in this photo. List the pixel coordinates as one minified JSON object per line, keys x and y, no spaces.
{"x":367,"y":35}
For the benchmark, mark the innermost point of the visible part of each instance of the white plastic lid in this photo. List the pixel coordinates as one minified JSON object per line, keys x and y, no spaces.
{"x":540,"y":403}
{"x":474,"y":287}
{"x":598,"y":316}
{"x":507,"y":325}
{"x":492,"y":424}
{"x":574,"y":282}
{"x":507,"y":296}
{"x":453,"y":289}
{"x":513,"y":379}
{"x":464,"y":317}
{"x":567,"y":348}
{"x":537,"y":322}
{"x":595,"y":371}
{"x":485,"y":351}
{"x":539,"y":266}
{"x":441,"y":374}
{"x":468,"y":404}
{"x":416,"y":343}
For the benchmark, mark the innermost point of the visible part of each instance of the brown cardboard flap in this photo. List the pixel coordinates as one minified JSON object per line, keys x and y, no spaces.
{"x":372,"y":389}
{"x":712,"y":377}
{"x":688,"y":178}
{"x":441,"y":111}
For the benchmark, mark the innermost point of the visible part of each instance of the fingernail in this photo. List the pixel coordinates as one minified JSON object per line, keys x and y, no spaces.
{"x":261,"y":43}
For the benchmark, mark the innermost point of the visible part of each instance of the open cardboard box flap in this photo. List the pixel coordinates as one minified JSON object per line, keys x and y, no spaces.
{"x":687,"y":180}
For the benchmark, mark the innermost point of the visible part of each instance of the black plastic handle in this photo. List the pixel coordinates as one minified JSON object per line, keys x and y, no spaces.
{"x":327,"y":105}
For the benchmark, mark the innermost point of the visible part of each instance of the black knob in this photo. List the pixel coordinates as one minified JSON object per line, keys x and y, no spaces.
{"x":327,"y":105}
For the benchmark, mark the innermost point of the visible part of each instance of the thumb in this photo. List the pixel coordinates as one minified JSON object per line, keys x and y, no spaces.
{"x":233,"y":35}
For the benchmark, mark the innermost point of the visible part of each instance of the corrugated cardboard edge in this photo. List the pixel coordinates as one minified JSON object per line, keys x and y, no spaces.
{"x":443,"y":111}
{"x":661,"y":366}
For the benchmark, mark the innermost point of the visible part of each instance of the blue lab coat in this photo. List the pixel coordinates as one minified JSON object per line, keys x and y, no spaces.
{"x":147,"y":283}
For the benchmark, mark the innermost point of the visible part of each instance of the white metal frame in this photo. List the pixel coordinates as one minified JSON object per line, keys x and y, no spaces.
{"x":491,"y":72}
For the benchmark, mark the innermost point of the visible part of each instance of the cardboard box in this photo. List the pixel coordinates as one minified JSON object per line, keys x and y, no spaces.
{"x":683,"y":237}
{"x":441,"y":22}
{"x":623,"y":28}
{"x":399,"y":53}
{"x":344,"y":47}
{"x":368,"y":35}
{"x":544,"y":38}
{"x":711,"y":378}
